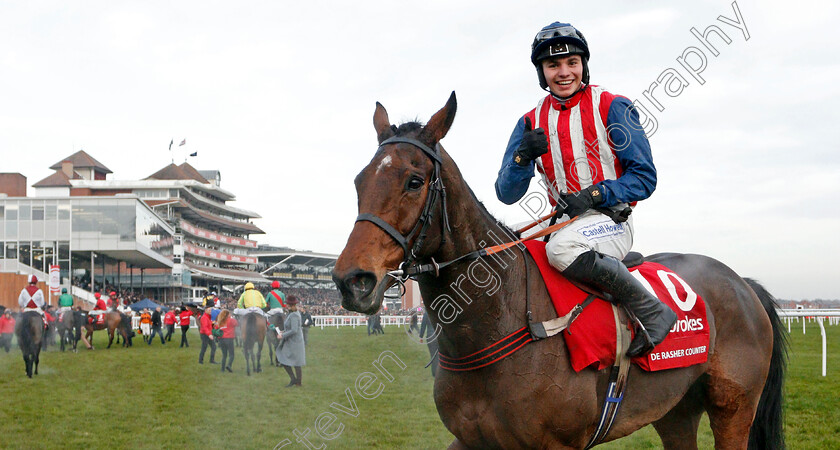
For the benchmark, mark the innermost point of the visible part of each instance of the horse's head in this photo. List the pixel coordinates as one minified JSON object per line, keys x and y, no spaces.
{"x":401,"y":208}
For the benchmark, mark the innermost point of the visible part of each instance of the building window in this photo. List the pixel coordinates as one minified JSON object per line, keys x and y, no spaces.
{"x":63,"y":212}
{"x":37,"y":213}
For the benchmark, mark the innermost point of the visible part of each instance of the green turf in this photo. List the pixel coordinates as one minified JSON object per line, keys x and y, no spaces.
{"x":152,"y":397}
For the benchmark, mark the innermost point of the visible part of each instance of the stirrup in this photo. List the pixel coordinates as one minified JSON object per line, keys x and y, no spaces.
{"x":641,"y":333}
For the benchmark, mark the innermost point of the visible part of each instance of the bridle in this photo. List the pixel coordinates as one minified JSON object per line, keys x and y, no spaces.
{"x":436,"y":196}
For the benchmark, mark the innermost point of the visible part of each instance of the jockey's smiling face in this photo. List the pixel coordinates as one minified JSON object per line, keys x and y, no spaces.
{"x":563,"y":74}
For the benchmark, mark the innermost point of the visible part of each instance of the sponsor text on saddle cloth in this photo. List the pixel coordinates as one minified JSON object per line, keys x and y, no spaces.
{"x":591,"y":338}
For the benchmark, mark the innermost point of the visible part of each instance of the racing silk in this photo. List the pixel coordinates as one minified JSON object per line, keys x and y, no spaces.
{"x":145,"y":318}
{"x":276,"y":299}
{"x":251,"y":298}
{"x":31,"y":297}
{"x":65,"y":300}
{"x":594,"y":138}
{"x":208,"y":301}
{"x":100,"y":305}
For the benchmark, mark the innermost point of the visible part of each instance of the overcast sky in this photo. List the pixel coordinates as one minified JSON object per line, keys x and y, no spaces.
{"x":280,"y":96}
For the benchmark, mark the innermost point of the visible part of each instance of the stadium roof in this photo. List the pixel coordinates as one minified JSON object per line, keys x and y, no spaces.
{"x":276,"y":257}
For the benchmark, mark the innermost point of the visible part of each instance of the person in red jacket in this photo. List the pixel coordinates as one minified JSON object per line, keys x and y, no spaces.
{"x":169,"y":321}
{"x":7,"y":329}
{"x":205,"y":330}
{"x":227,"y":325}
{"x":184,"y":320}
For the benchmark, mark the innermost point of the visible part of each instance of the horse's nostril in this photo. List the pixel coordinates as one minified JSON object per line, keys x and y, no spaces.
{"x":358,"y":284}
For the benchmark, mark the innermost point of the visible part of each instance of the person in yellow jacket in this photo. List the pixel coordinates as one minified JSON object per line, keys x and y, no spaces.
{"x":250,"y":301}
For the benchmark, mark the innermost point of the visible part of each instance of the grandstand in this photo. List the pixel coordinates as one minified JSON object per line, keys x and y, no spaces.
{"x":306,"y":274}
{"x":296,"y":268}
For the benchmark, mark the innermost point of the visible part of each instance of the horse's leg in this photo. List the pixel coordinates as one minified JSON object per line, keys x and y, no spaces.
{"x":110,"y":337}
{"x":731,"y":406}
{"x":678,"y":428}
{"x":37,"y":358}
{"x":259,"y":356}
{"x":247,"y":359}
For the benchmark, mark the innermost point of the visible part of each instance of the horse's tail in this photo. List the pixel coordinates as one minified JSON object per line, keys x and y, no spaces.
{"x":768,"y":426}
{"x":251,"y":323}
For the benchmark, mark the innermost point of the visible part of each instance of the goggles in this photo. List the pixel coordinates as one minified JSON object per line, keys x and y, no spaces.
{"x":545,"y":35}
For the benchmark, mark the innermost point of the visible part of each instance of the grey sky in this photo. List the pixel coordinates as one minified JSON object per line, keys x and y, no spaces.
{"x":279,"y":96}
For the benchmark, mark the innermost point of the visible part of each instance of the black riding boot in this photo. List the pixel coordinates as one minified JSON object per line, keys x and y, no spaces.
{"x":608,"y":274}
{"x":293,"y":380}
{"x":298,"y":375}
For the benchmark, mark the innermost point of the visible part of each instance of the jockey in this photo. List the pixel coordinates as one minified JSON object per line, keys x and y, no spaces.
{"x":250,"y":301}
{"x":209,"y":300}
{"x":596,"y":163}
{"x":99,"y":309}
{"x":31,"y":298}
{"x":276,"y":299}
{"x":65,"y":301}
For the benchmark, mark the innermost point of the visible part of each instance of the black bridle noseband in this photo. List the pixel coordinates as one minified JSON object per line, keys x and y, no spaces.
{"x":435,"y":196}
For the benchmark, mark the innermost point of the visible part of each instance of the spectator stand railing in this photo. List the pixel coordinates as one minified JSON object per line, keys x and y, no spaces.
{"x":357,"y":321}
{"x":813,"y":315}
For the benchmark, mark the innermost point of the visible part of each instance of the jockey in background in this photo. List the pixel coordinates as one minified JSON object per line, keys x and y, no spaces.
{"x":65,"y":301}
{"x":276,"y":299}
{"x":31,"y":298}
{"x":209,"y":300}
{"x":99,"y":309}
{"x":250,"y":301}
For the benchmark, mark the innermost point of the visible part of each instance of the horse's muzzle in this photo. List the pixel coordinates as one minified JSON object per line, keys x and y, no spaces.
{"x":356,"y":288}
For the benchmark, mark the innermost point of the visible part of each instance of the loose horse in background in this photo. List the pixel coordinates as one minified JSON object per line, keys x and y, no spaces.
{"x":114,"y":322}
{"x":253,"y":332}
{"x":30,"y":331}
{"x":70,"y":324}
{"x":533,"y":398}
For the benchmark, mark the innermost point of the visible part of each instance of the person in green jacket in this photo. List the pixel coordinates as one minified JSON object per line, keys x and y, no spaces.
{"x":65,"y":301}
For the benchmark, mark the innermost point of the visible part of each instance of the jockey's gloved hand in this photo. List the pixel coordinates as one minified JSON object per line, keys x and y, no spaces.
{"x":533,"y":145}
{"x":581,"y":201}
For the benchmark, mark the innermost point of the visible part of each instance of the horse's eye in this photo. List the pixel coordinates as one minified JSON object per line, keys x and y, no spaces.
{"x":414,"y":183}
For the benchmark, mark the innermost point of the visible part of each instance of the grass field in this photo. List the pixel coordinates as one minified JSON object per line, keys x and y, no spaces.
{"x":158,"y":396}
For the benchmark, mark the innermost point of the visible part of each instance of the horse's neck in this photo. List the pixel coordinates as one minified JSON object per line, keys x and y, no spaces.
{"x":478,"y":301}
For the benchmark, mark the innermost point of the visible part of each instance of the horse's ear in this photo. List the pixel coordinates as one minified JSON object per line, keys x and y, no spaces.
{"x":439,"y":124}
{"x":381,"y":123}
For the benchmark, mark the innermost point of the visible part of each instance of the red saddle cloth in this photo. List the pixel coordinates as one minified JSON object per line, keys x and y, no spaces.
{"x":99,"y":320}
{"x":591,"y":338}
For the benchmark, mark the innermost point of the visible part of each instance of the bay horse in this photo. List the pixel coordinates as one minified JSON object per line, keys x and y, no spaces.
{"x":533,"y":398}
{"x":253,"y":332}
{"x":114,"y":322}
{"x":30,"y":331}
{"x":70,"y":326}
